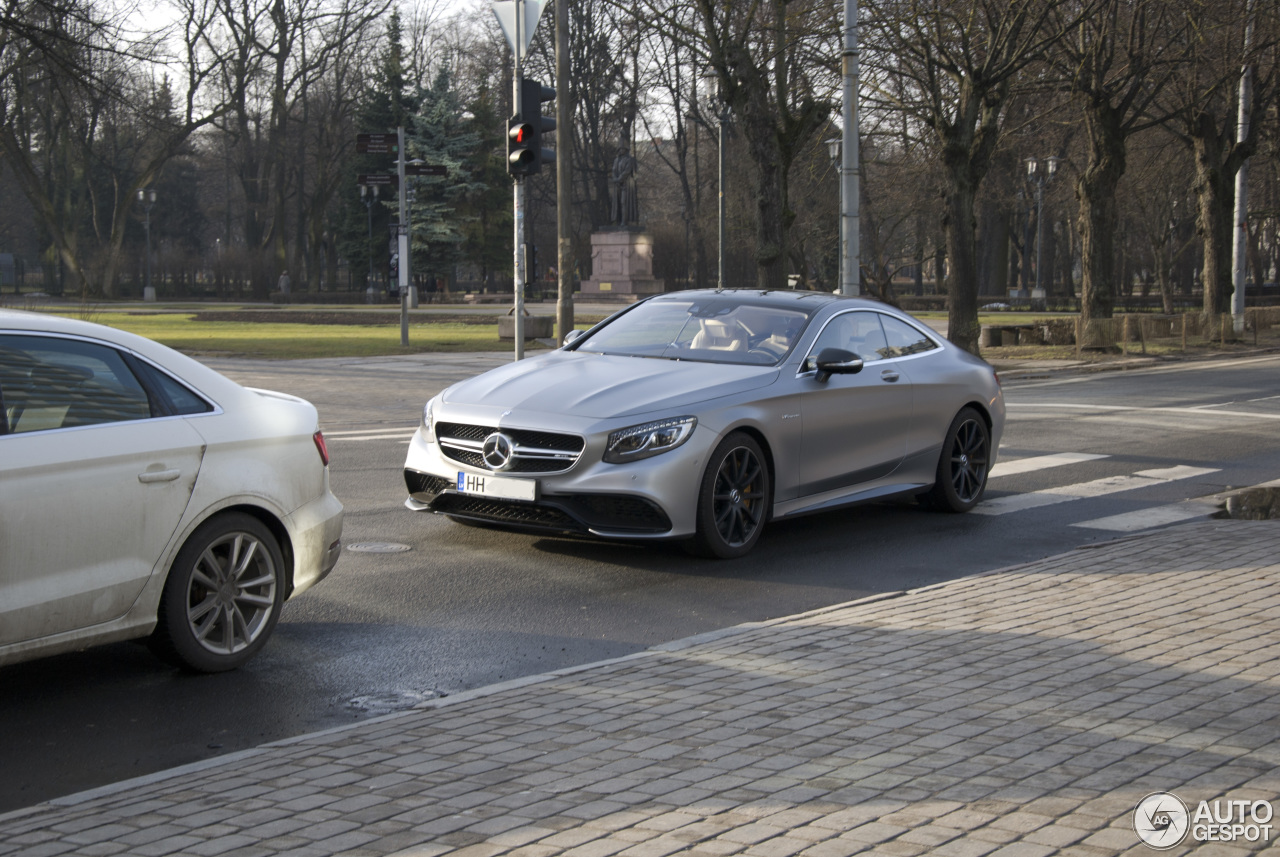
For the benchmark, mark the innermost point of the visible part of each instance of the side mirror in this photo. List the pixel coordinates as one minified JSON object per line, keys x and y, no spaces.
{"x":572,"y":336}
{"x":837,"y":361}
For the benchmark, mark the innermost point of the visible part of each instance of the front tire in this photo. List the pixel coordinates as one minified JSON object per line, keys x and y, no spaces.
{"x":963,"y":465}
{"x":733,"y":500}
{"x":223,"y":596}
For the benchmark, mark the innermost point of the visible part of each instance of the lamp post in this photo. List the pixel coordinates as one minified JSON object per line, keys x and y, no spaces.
{"x":147,"y":196}
{"x":369,"y":195}
{"x":835,"y":149}
{"x":1039,"y":178}
{"x":715,"y":103}
{"x":411,"y":196}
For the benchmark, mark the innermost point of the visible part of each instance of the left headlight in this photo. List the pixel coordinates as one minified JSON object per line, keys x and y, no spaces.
{"x":643,"y":441}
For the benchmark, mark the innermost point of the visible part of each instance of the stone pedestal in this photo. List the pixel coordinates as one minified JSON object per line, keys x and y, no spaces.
{"x":622,"y":265}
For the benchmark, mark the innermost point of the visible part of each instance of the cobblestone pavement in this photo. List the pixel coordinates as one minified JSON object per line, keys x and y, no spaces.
{"x":1019,"y":713}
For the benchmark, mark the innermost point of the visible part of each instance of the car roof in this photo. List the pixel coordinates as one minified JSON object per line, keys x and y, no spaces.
{"x":207,"y":380}
{"x":778,"y":298}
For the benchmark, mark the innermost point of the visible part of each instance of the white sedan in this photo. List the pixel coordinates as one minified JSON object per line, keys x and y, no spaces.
{"x":143,"y":494}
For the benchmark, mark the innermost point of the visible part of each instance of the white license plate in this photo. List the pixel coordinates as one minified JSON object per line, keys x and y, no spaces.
{"x":503,"y":487}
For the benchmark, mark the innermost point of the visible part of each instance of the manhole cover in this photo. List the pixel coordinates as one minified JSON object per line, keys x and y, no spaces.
{"x":378,"y":547}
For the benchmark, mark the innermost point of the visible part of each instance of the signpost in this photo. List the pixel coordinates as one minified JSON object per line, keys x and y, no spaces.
{"x":518,"y":19}
{"x":377,"y":144}
{"x":393,"y":144}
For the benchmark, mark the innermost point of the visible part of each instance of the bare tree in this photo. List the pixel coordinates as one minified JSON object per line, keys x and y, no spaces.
{"x":87,"y":114}
{"x":1114,"y":63}
{"x":959,"y":61}
{"x":775,"y":64}
{"x":1203,"y":103}
{"x":276,"y":52}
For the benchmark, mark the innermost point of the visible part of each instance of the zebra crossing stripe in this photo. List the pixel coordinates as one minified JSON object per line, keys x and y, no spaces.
{"x":1156,"y":516}
{"x":1041,"y":462}
{"x":1082,"y":490}
{"x":371,"y":434}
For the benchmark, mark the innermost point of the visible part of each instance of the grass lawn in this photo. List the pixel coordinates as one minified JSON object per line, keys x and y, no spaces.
{"x":283,"y":340}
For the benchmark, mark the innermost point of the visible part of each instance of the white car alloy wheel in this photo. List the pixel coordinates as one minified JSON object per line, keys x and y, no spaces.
{"x":222,"y":597}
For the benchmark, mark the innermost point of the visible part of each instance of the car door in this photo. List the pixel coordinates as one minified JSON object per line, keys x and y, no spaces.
{"x":93,"y":484}
{"x":855,"y":426}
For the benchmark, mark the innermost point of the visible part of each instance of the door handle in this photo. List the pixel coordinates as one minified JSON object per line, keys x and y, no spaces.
{"x":889,"y":375}
{"x":158,"y":476}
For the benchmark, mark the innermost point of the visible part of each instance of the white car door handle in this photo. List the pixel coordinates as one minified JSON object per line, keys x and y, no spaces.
{"x":158,"y":476}
{"x":889,"y":375}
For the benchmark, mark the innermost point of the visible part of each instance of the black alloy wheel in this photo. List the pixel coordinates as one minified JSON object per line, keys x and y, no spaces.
{"x":964,"y":464}
{"x":733,"y":503}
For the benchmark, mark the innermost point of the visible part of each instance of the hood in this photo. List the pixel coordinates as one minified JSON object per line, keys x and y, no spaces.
{"x":599,"y":386}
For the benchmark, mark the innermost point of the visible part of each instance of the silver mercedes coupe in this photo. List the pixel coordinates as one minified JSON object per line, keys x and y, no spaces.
{"x":700,"y":415}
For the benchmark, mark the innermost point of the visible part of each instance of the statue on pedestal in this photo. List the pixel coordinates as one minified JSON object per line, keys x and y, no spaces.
{"x":624,"y":208}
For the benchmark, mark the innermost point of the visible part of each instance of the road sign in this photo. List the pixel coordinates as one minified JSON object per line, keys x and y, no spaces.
{"x":382,"y":179}
{"x":377,"y":144}
{"x":505,"y":12}
{"x":425,"y":170}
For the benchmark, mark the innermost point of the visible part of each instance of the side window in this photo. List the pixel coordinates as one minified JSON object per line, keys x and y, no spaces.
{"x":904,"y":339}
{"x":49,"y":383}
{"x":858,"y":332}
{"x":179,"y":400}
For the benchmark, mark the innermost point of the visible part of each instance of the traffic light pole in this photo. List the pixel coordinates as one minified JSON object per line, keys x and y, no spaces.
{"x":517,"y":80}
{"x":402,"y":239}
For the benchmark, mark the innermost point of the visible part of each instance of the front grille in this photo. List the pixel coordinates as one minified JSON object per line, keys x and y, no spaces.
{"x":576,"y":513}
{"x":506,"y":512}
{"x":535,"y":451}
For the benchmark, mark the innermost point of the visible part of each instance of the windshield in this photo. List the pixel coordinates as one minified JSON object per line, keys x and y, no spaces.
{"x":713,"y":329}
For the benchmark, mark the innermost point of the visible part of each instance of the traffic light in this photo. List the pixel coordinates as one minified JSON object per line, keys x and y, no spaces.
{"x":524,"y":130}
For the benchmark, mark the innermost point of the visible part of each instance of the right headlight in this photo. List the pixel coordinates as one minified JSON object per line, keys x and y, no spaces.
{"x":649,"y":439}
{"x":429,"y":420}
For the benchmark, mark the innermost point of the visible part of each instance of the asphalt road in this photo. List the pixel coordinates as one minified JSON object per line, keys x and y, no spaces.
{"x":463,"y":607}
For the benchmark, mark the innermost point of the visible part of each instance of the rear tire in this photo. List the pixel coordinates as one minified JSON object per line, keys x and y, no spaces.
{"x":963,"y":464}
{"x":222,"y":597}
{"x":733,"y":499}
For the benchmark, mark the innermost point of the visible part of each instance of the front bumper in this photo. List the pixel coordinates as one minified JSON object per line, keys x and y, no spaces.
{"x":650,"y":499}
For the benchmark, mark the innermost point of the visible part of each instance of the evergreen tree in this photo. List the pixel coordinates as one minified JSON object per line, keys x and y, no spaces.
{"x":442,"y":137}
{"x":486,"y":210}
{"x":387,"y":105}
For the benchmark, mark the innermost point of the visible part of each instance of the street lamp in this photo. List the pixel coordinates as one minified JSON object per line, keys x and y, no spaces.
{"x":147,"y":196}
{"x":835,"y":148}
{"x":1039,"y":178}
{"x":720,"y":110}
{"x":369,"y":195}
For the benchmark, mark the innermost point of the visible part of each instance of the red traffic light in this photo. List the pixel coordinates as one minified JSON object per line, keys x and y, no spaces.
{"x":521,"y":158}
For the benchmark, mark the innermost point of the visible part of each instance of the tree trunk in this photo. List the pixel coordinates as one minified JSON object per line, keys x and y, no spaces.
{"x":1096,"y":192}
{"x":1213,"y":217}
{"x":962,"y":265}
{"x":993,"y":230}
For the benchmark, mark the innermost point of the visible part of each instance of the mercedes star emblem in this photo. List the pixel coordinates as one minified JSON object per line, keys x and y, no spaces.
{"x":498,"y":451}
